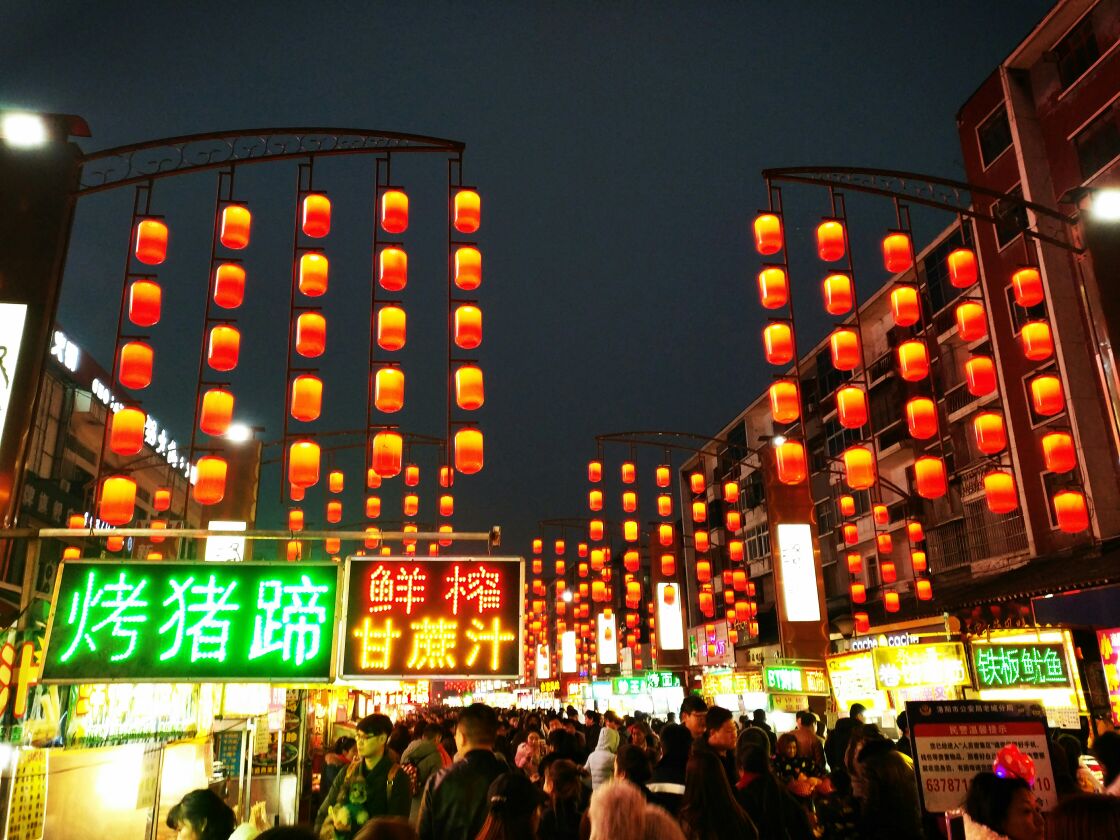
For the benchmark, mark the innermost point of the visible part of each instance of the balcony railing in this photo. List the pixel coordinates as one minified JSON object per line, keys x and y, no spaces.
{"x":948,"y":546}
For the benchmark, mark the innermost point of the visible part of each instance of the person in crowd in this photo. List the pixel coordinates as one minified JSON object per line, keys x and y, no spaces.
{"x":999,"y":808}
{"x":344,"y":751}
{"x":632,"y":763}
{"x":454,"y":801}
{"x":666,"y":787}
{"x":601,"y":761}
{"x":810,"y":745}
{"x":502,"y":744}
{"x":887,"y":794}
{"x":563,"y":785}
{"x":719,"y":737}
{"x":1106,"y":749}
{"x":592,"y":722}
{"x":202,"y":815}
{"x":789,"y":765}
{"x":399,"y":739}
{"x":612,"y":720}
{"x":421,"y":760}
{"x":370,"y":787}
{"x":513,"y":813}
{"x":708,"y":810}
{"x":836,"y":745}
{"x":693,"y":713}
{"x":618,"y":811}
{"x":758,"y":720}
{"x":641,"y":735}
{"x":1085,"y":817}
{"x":579,"y":745}
{"x":531,"y":723}
{"x":903,"y":744}
{"x":529,"y":755}
{"x":761,"y":794}
{"x":1084,"y":779}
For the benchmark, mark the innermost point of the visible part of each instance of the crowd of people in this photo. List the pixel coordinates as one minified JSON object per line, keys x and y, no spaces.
{"x":485,"y":774}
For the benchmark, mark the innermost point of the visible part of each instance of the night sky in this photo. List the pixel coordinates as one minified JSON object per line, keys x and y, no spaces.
{"x":617,"y":148}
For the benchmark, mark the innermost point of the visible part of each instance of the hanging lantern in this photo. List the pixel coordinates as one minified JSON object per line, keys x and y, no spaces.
{"x":884,"y":544}
{"x":336,"y":481}
{"x":924,"y":590}
{"x":468,"y":268}
{"x":446,"y":477}
{"x":790,"y":457}
{"x":630,"y":530}
{"x":708,"y":608}
{"x":784,"y":404}
{"x":855,"y":563}
{"x":668,"y":569}
{"x":392,"y":268}
{"x":595,"y":530}
{"x":410,"y":504}
{"x":972,"y":324}
{"x":767,"y":234}
{"x":1070,"y":509}
{"x":881,"y":514}
{"x":847,"y":505}
{"x":313,"y":274}
{"x":394,"y":211}
{"x":332,"y":545}
{"x":161,"y":500}
{"x":295,"y":520}
{"x":699,"y":511}
{"x":1037,"y":341}
{"x":830,"y":240}
{"x":598,"y":558}
{"x":777,"y":341}
{"x":468,"y":326}
{"x":151,"y":241}
{"x":391,"y":327}
{"x":595,"y":471}
{"x":890,"y":602}
{"x":388,"y":389}
{"x":845,"y":349}
{"x":581,"y":549}
{"x":126,"y":431}
{"x":236,"y":220}
{"x":373,"y":538}
{"x":446,"y":505}
{"x":913,"y":360}
{"x":921,"y":417}
{"x":1058,"y":452}
{"x":733,"y":521}
{"x":730,"y":492}
{"x":229,"y":285}
{"x":905,"y":309}
{"x":851,"y":407}
{"x":1046,"y":395}
{"x":897,"y":255}
{"x":225,"y":347}
{"x":838,"y":295}
{"x":595,"y":499}
{"x":135,"y":369}
{"x":144,"y":300}
{"x":466,"y":213}
{"x":703,"y":571}
{"x":307,"y":397}
{"x":696,"y":483}
{"x":862,"y":622}
{"x":631,"y":560}
{"x":914,"y":531}
{"x":773,"y":287}
{"x":664,"y":505}
{"x":296,"y":494}
{"x":311,"y":334}
{"x":858,"y":593}
{"x":859,"y":467}
{"x":468,"y":450}
{"x":629,"y":501}
{"x":468,"y":387}
{"x":303,"y":463}
{"x":850,"y":533}
{"x":887,"y":572}
{"x":373,"y":480}
{"x":294,"y":551}
{"x":113,"y":544}
{"x":962,"y":268}
{"x":316,"y":221}
{"x":334,"y":514}
{"x":735,"y":550}
{"x":990,"y":432}
{"x":1026,"y":285}
{"x":629,"y":472}
{"x":387,"y":450}
{"x":980,"y":374}
{"x":210,"y":484}
{"x":701,"y":541}
{"x":217,"y":411}
{"x":999,"y":488}
{"x":929,"y":477}
{"x":373,"y":507}
{"x":918,"y":562}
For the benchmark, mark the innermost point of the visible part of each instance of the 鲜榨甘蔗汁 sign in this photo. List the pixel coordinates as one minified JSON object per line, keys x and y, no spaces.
{"x":417,"y":618}
{"x":139,"y":621}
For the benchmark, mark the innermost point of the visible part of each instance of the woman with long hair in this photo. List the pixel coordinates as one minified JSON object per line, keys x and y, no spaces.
{"x":998,"y":807}
{"x":202,"y":815}
{"x":563,"y":785}
{"x":888,"y":794}
{"x":709,"y":810}
{"x":761,"y":793}
{"x":514,"y":809}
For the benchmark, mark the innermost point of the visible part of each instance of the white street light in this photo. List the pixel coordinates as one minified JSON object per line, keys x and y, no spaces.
{"x":239,"y":433}
{"x":1106,"y":205}
{"x":566,"y":597}
{"x":777,"y":440}
{"x":22,"y":130}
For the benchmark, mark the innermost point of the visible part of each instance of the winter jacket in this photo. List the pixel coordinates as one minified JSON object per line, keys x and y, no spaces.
{"x":384,"y":796}
{"x":333,"y":764}
{"x":979,"y":831}
{"x":425,"y":756}
{"x":455,"y":803}
{"x":601,"y":761}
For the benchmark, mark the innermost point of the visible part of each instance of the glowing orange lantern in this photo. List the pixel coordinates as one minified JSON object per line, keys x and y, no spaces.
{"x":929,"y":477}
{"x":225,"y":347}
{"x":668,"y":568}
{"x":851,"y":407}
{"x":595,"y":530}
{"x":387,"y":449}
{"x":844,"y":343}
{"x":699,"y":511}
{"x":847,"y":506}
{"x":229,"y":285}
{"x":391,"y":328}
{"x":914,"y":531}
{"x":962,"y":268}
{"x":628,"y":472}
{"x":701,"y":541}
{"x":913,"y":360}
{"x":730,"y":492}
{"x":862,"y":621}
{"x":313,"y":274}
{"x":629,"y":501}
{"x":897,"y":255}
{"x":595,"y":471}
{"x":144,"y":300}
{"x":855,"y":563}
{"x":990,"y":432}
{"x":830,"y":240}
{"x":733,"y":520}
{"x":307,"y":397}
{"x":236,"y":220}
{"x":887,"y":572}
{"x":466,"y":213}
{"x":918,"y":561}
{"x":881,"y":514}
{"x":858,"y":593}
{"x":837,"y":290}
{"x":114,"y":543}
{"x":1026,"y":285}
{"x":336,"y":481}
{"x":784,"y":404}
{"x":135,"y":369}
{"x":595,"y":499}
{"x":921,"y":417}
{"x":905,"y":308}
{"x":735,"y":550}
{"x":1047,"y":398}
{"x":777,"y":339}
{"x":410,"y":504}
{"x":890,"y":601}
{"x":468,"y":268}
{"x":332,"y":545}
{"x":468,"y":387}
{"x":446,"y":505}
{"x":999,"y":488}
{"x":980,"y":374}
{"x":295,"y":520}
{"x":767,"y":234}
{"x":703,"y":571}
{"x":1058,"y":452}
{"x":696,"y":483}
{"x":210,"y":484}
{"x":118,"y":500}
{"x":126,"y":431}
{"x":303,"y":463}
{"x":311,"y":334}
{"x":631,"y":560}
{"x":790,"y":457}
{"x":664,"y":505}
{"x":1070,"y":509}
{"x":850,"y":533}
{"x":388,"y":389}
{"x":217,"y":411}
{"x":392,"y":269}
{"x":924,"y":590}
{"x":296,"y":494}
{"x":773,"y":287}
{"x":468,"y":451}
{"x":1037,"y":341}
{"x":630,"y":530}
{"x":468,"y":326}
{"x":373,"y":507}
{"x":294,"y":550}
{"x":446,"y":477}
{"x":161,"y":501}
{"x":316,"y":221}
{"x":972,"y":324}
{"x":411,"y":475}
{"x":394,"y":211}
{"x":334,"y":513}
{"x":884,"y":543}
{"x":662,"y":476}
{"x":859,"y":467}
{"x":151,"y":241}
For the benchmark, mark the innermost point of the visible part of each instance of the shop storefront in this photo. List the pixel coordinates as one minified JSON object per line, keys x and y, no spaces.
{"x":741,"y":691}
{"x":655,"y":693}
{"x":789,"y":687}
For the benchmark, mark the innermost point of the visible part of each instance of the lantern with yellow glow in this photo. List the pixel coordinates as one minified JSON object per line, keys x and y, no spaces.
{"x":929,"y":477}
{"x":862,"y":622}
{"x":918,"y":561}
{"x":701,"y":541}
{"x":890,"y":602}
{"x":71,"y":552}
{"x":990,"y":432}
{"x":559,"y":546}
{"x":114,"y":543}
{"x":730,"y":492}
{"x":468,"y":268}
{"x":629,"y":501}
{"x":392,"y":268}
{"x":332,"y":545}
{"x":777,"y":340}
{"x":851,"y":407}
{"x":844,"y":344}
{"x":1026,"y":285}
{"x":118,"y":500}
{"x":446,"y":476}
{"x":468,"y":450}
{"x":767,"y":234}
{"x":858,"y":593}
{"x":999,"y":489}
{"x":972,"y":323}
{"x":696,"y":483}
{"x":631,"y":560}
{"x":733,"y":520}
{"x":830,"y":240}
{"x":847,"y":505}
{"x":735,"y":550}
{"x":334,"y":514}
{"x":1058,"y":452}
{"x":703,"y":571}
{"x":581,"y":549}
{"x":387,"y":450}
{"x":469,"y":393}
{"x":388,"y":389}
{"x":665,"y":534}
{"x":595,"y":530}
{"x":1037,"y":341}
{"x":980,"y":375}
{"x":144,"y":303}
{"x":859,"y":467}
{"x":161,"y":500}
{"x":905,"y":308}
{"x":633,"y":595}
{"x":409,"y":528}
{"x":336,"y":481}
{"x":962,"y":268}
{"x":296,"y":494}
{"x":784,"y":403}
{"x":303,"y":463}
{"x":410,"y":504}
{"x":135,"y":370}
{"x":236,"y":221}
{"x":311,"y":334}
{"x":887,"y":572}
{"x":598,"y":558}
{"x":316,"y":220}
{"x":313,"y":274}
{"x":884,"y":544}
{"x":394,"y":211}
{"x":896,"y":252}
{"x":628,"y":472}
{"x":1070,"y":510}
{"x":210,"y":484}
{"x":708,"y":608}
{"x":837,"y":290}
{"x":630,"y":530}
{"x":790,"y":458}
{"x":664,"y":505}
{"x":468,"y":326}
{"x":295,"y":520}
{"x":595,"y":499}
{"x":373,"y":480}
{"x":662,"y":476}
{"x":217,"y":411}
{"x":307,"y":397}
{"x":391,"y":327}
{"x":151,"y":241}
{"x":921,"y":417}
{"x":1047,"y":398}
{"x":914,"y":531}
{"x":699,"y":511}
{"x":537,"y":566}
{"x":598,"y":591}
{"x":225,"y":347}
{"x":913,"y":360}
{"x":855,"y":563}
{"x":773,"y":287}
{"x":881,"y":515}
{"x":229,"y":285}
{"x":466,"y":211}
{"x":411,"y":475}
{"x":373,"y":537}
{"x":924,"y":590}
{"x":595,"y":471}
{"x":668,"y":568}
{"x":126,"y":431}
{"x":739,"y":580}
{"x":373,"y":507}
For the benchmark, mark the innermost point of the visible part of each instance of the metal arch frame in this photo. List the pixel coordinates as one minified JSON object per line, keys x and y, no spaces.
{"x":154,"y":159}
{"x":652,"y":438}
{"x":928,"y":190}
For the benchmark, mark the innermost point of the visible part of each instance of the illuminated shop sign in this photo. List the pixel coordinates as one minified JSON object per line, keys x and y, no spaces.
{"x":884,"y":640}
{"x":799,"y":573}
{"x":853,"y":680}
{"x":1109,"y":641}
{"x":155,"y":435}
{"x":65,"y":352}
{"x":446,"y":618}
{"x":568,"y":659}
{"x":731,"y":683}
{"x":169,"y":622}
{"x":1024,"y":665}
{"x":792,"y":679}
{"x":941,"y":663}
{"x":643,"y":685}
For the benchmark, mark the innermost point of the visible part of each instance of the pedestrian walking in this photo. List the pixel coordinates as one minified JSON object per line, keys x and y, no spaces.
{"x":666,"y":787}
{"x":513,"y":809}
{"x":619,"y":811}
{"x":421,"y":760}
{"x":563,"y":785}
{"x":774,"y":811}
{"x":709,"y":810}
{"x":601,"y":761}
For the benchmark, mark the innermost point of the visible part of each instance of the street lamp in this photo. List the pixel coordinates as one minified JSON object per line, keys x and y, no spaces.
{"x":22,"y":130}
{"x":1105,"y":206}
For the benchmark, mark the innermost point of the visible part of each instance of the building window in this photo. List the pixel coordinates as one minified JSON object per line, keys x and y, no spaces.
{"x":825,"y":516}
{"x":758,"y":543}
{"x":1076,"y":52}
{"x":829,"y":378}
{"x":1019,"y":315}
{"x":994,"y":135}
{"x":754,"y":491}
{"x":1010,"y":215}
{"x":935,"y":266}
{"x":837,"y":438}
{"x":1099,"y":142}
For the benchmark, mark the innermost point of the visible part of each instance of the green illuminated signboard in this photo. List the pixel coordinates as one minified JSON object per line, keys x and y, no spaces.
{"x":138,"y":621}
{"x":792,"y":679}
{"x":1025,"y":665}
{"x":641,"y":685}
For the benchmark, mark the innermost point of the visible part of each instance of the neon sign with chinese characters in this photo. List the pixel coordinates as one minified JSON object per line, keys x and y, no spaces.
{"x":794,"y":679}
{"x":168,"y":622}
{"x":938,"y":663}
{"x":432,"y":618}
{"x":1026,"y":665}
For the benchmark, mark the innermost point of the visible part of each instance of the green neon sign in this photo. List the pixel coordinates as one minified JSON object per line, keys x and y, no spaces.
{"x":143,"y":621}
{"x":1027,"y":665}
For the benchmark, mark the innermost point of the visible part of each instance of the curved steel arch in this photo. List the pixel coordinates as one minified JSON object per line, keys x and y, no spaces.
{"x":153,"y":159}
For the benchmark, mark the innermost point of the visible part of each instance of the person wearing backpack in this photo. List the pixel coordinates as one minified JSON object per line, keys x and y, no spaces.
{"x":372,"y":786}
{"x":420,"y":760}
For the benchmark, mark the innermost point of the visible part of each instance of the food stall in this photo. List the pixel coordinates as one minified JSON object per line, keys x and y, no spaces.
{"x":655,"y":693}
{"x":741,"y":691}
{"x":789,"y":685}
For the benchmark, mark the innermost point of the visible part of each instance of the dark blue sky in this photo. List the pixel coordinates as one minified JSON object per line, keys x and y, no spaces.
{"x":617,"y":148}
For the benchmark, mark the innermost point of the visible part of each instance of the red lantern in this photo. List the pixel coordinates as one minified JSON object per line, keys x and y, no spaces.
{"x":990,"y":432}
{"x":847,"y":506}
{"x":1070,"y":509}
{"x":316,"y":221}
{"x":767,"y":234}
{"x":295,"y":520}
{"x":696,"y":483}
{"x":914,"y":531}
{"x":855,"y":563}
{"x":881,"y":514}
{"x":118,"y":500}
{"x":126,"y":431}
{"x":161,"y":501}
{"x":962,"y":268}
{"x":387,"y":450}
{"x":466,"y":213}
{"x":388,"y":389}
{"x":1026,"y":285}
{"x":905,"y":309}
{"x":225,"y":347}
{"x":887,"y":572}
{"x":373,"y":480}
{"x":595,"y":530}
{"x":838,"y":296}
{"x":151,"y":242}
{"x":980,"y":374}
{"x":236,"y":220}
{"x":858,"y":593}
{"x":311,"y":334}
{"x":313,"y":274}
{"x":884,"y":544}
{"x":735,"y":551}
{"x":777,"y":339}
{"x":468,"y":326}
{"x":918,"y":562}
{"x":929,"y":477}
{"x":700,"y":540}
{"x":665,"y":534}
{"x":229,"y":285}
{"x":773,"y":287}
{"x":792,"y":468}
{"x":730,"y":492}
{"x":784,"y":404}
{"x":851,"y":407}
{"x":468,"y":268}
{"x":135,"y":369}
{"x":469,"y":393}
{"x":595,"y":499}
{"x":859,"y":467}
{"x":446,"y":505}
{"x":468,"y":451}
{"x":830,"y":240}
{"x":707,"y":607}
{"x":630,"y":530}
{"x":999,"y":489}
{"x":629,"y":472}
{"x":662,"y":476}
{"x":391,"y":328}
{"x":373,"y":507}
{"x":630,"y":560}
{"x":1059,"y":452}
{"x":1047,"y":398}
{"x":144,"y":299}
{"x":294,"y":551}
{"x":307,"y":397}
{"x":217,"y":411}
{"x":394,"y":211}
{"x":629,"y":501}
{"x":1037,"y":341}
{"x":913,"y":360}
{"x":668,"y":568}
{"x":114,"y":544}
{"x":410,"y":504}
{"x":392,"y":269}
{"x":850,"y":533}
{"x":664,"y":505}
{"x":972,"y":324}
{"x":210,"y":483}
{"x":699,"y":511}
{"x":296,"y":494}
{"x":703,"y":571}
{"x":924,"y":590}
{"x":336,"y":481}
{"x":303,"y":463}
{"x":863,"y":622}
{"x":897,"y":255}
{"x":332,"y":545}
{"x":446,"y":477}
{"x":595,"y":471}
{"x":845,"y":349}
{"x":890,"y":602}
